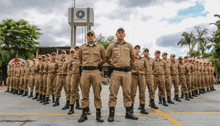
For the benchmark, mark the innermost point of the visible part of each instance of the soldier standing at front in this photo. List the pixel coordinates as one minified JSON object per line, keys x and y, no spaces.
{"x":175,"y":77}
{"x":51,"y":77}
{"x":159,"y":76}
{"x":138,"y":69}
{"x":120,"y":55}
{"x":149,"y":79}
{"x":168,"y":81}
{"x":61,"y":79}
{"x":182,"y":77}
{"x":92,"y":56}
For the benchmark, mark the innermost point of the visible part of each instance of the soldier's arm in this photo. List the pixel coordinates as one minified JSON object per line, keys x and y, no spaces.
{"x":103,"y":55}
{"x":80,"y":55}
{"x":64,"y":67}
{"x":146,"y":66}
{"x":132,"y":54}
{"x":109,"y":54}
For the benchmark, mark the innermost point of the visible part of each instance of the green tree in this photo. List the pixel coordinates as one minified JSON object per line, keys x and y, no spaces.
{"x":216,"y":36}
{"x":20,"y":38}
{"x":187,"y":39}
{"x":4,"y":54}
{"x":105,"y":41}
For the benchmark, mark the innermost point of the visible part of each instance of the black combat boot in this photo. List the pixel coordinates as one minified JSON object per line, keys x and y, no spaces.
{"x":143,"y":110}
{"x":177,"y":98}
{"x":200,"y":91}
{"x":71,"y":111}
{"x":40,"y":98}
{"x":83,"y":116}
{"x":211,"y":89}
{"x":132,"y":108}
{"x":25,"y":94}
{"x":186,"y":97}
{"x":21,"y":92}
{"x":182,"y":96}
{"x":111,"y":114}
{"x":57,"y":103}
{"x":204,"y":90}
{"x":36,"y":96}
{"x":98,"y":115}
{"x":190,"y":96}
{"x":208,"y":89}
{"x":88,"y":111}
{"x":129,"y":114}
{"x":43,"y":99}
{"x":193,"y":94}
{"x":31,"y":95}
{"x":67,"y":106}
{"x":197,"y":93}
{"x":160,"y":100}
{"x":11,"y":90}
{"x":16,"y":91}
{"x":164,"y":102}
{"x":7,"y":90}
{"x":46,"y":101}
{"x":152,"y":104}
{"x":78,"y":105}
{"x":169,"y":100}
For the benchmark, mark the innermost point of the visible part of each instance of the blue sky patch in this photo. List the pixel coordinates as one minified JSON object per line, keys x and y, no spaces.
{"x":191,"y":12}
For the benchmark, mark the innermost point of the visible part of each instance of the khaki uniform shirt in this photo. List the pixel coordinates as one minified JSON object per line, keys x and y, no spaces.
{"x":59,"y":66}
{"x":22,"y":71}
{"x":175,"y":67}
{"x":91,"y":56}
{"x":44,"y":67}
{"x":139,"y":66}
{"x":158,"y":67}
{"x":168,"y":67}
{"x":27,"y":70}
{"x":9,"y":72}
{"x":150,"y":63}
{"x":52,"y":67}
{"x":32,"y":68}
{"x":120,"y":54}
{"x":182,"y":69}
{"x":188,"y":69}
{"x":18,"y":71}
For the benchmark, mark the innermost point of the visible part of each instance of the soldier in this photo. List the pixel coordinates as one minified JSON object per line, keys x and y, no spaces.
{"x":91,"y":56}
{"x":21,"y":85}
{"x":203,"y":78}
{"x":61,"y":80}
{"x":18,"y":72}
{"x":193,"y":83}
{"x":182,"y":77}
{"x":38,"y":78}
{"x":168,"y":82}
{"x":44,"y":72}
{"x":159,"y":76}
{"x":32,"y":78}
{"x":212,"y":77}
{"x":9,"y":78}
{"x":199,"y":77}
{"x":77,"y":48}
{"x":207,"y":77}
{"x":73,"y":65}
{"x":26,"y":78}
{"x":188,"y":77}
{"x":120,"y":55}
{"x":12,"y":77}
{"x":149,"y":79}
{"x":51,"y":77}
{"x":175,"y":76}
{"x":138,"y":69}
{"x":195,"y":78}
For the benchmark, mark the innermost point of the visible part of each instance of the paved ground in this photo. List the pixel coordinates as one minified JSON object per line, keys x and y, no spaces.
{"x":21,"y":111}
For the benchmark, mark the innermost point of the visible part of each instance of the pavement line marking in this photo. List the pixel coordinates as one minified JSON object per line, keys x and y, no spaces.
{"x":179,"y":113}
{"x":164,"y":115}
{"x":65,"y":114}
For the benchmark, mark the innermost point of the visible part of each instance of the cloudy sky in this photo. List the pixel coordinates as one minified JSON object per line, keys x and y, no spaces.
{"x":153,"y":24}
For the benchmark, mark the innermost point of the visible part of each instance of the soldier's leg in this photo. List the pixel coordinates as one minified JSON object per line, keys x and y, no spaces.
{"x":73,"y":86}
{"x":86,"y":84}
{"x":134,"y":83}
{"x":97,"y":88}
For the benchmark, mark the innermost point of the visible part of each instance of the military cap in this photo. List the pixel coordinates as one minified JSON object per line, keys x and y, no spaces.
{"x":146,"y":49}
{"x":172,"y":55}
{"x":39,"y":57}
{"x":27,"y":60}
{"x":13,"y":63}
{"x":180,"y":57}
{"x":72,"y":50}
{"x":53,"y":53}
{"x":197,"y":61}
{"x":193,"y":59}
{"x":186,"y":57}
{"x":91,"y":31}
{"x":63,"y":51}
{"x":157,"y":51}
{"x":43,"y":56}
{"x":120,"y":29}
{"x":33,"y":59}
{"x":137,"y":46}
{"x":77,"y":47}
{"x":164,"y":53}
{"x":190,"y":59}
{"x":48,"y":54}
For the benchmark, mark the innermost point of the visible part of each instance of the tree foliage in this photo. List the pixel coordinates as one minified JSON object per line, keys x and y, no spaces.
{"x":105,"y":41}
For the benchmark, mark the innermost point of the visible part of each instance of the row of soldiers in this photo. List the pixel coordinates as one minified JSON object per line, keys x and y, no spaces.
{"x":45,"y":77}
{"x":127,"y":69}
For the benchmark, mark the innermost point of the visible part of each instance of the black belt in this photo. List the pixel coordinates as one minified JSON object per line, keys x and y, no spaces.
{"x":89,"y":68}
{"x":126,"y":69}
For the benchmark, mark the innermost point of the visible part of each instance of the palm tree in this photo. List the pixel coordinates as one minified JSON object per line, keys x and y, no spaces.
{"x":201,"y":39}
{"x":188,"y":39}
